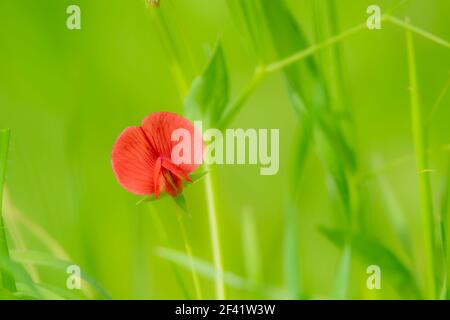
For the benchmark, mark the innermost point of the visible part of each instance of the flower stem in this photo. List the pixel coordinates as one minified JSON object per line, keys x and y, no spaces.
{"x":188,"y":248}
{"x":167,"y":243}
{"x":214,"y":230}
{"x":420,"y":143}
{"x":7,"y":279}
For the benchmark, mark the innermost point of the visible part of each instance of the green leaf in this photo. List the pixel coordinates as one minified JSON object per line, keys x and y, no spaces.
{"x":370,"y":251}
{"x":62,"y":293}
{"x":308,"y":96}
{"x":249,"y":18}
{"x":209,"y":93}
{"x":444,"y":228}
{"x":288,"y":38}
{"x":300,"y":154}
{"x":7,"y":279}
{"x":47,"y":260}
{"x":17,"y":272}
{"x":196,"y":177}
{"x":181,"y":203}
{"x":207,"y":270}
{"x":44,"y":292}
{"x":428,"y":223}
{"x":340,"y":289}
{"x":394,"y":212}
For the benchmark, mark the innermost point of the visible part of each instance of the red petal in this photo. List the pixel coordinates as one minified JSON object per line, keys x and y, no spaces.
{"x":133,"y":161}
{"x":158,"y":128}
{"x":141,"y":157}
{"x":157,"y":177}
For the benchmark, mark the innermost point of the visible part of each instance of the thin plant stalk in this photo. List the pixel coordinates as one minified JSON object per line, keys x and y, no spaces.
{"x":439,"y":101}
{"x":281,"y":64}
{"x":425,"y":192}
{"x":176,"y":48}
{"x":167,"y":243}
{"x":445,"y":230}
{"x":407,"y":26}
{"x":215,"y":239}
{"x":261,"y":72}
{"x":7,"y":279}
{"x":258,"y":76}
{"x":188,"y":249}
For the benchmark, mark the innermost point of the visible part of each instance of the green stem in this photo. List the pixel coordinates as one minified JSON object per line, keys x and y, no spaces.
{"x":262,"y":72}
{"x":188,"y":248}
{"x":407,"y":26}
{"x":214,"y":230}
{"x":278,"y":65}
{"x":420,"y":143}
{"x":258,"y":76}
{"x":438,"y":102}
{"x":7,"y":279}
{"x":171,"y":45}
{"x":167,"y":243}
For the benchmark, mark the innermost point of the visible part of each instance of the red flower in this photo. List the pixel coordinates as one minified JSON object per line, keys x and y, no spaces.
{"x":142,"y":156}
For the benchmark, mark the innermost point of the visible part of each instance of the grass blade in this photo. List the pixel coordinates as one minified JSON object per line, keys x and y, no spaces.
{"x":17,"y":271}
{"x":445,"y":232}
{"x":209,"y":93}
{"x":7,"y":279}
{"x":395,"y":271}
{"x":166,"y":241}
{"x":249,"y":19}
{"x":44,"y":291}
{"x":251,"y":250}
{"x":209,"y":271}
{"x":395,"y":214}
{"x":439,"y":101}
{"x":187,"y":246}
{"x":215,"y":237}
{"x":421,"y":145}
{"x":47,"y":260}
{"x":292,"y":266}
{"x":292,"y":269}
{"x":180,"y":201}
{"x":340,"y":288}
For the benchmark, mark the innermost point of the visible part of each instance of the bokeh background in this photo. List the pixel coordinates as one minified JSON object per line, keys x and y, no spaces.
{"x":67,"y":94}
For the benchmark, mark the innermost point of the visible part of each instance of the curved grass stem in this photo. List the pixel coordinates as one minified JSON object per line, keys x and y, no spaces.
{"x":215,"y":239}
{"x":262,"y":71}
{"x":425,"y":192}
{"x":428,"y":35}
{"x":188,"y":249}
{"x":166,"y":242}
{"x":258,"y":76}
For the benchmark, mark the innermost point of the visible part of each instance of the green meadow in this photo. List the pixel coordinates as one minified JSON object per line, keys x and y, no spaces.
{"x":360,"y":205}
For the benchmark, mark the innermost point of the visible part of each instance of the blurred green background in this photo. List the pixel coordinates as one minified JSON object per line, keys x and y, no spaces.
{"x":67,"y":94}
